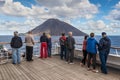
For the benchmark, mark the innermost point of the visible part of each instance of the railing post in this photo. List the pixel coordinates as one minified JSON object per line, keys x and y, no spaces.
{"x":116,"y":51}
{"x":56,"y":47}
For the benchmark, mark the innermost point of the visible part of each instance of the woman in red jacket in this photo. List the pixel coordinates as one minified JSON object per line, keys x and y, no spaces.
{"x":84,"y":51}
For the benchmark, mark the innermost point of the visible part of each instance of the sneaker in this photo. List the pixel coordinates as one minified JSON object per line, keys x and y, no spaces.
{"x":71,"y":63}
{"x":67,"y":62}
{"x":81,"y":64}
{"x":89,"y":69}
{"x":95,"y":71}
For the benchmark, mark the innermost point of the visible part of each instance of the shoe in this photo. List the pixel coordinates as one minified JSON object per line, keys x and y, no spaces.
{"x":14,"y":63}
{"x":89,"y":69}
{"x":95,"y":71}
{"x":104,"y":72}
{"x":67,"y":62}
{"x":31,"y":60}
{"x":71,"y":63}
{"x":81,"y":64}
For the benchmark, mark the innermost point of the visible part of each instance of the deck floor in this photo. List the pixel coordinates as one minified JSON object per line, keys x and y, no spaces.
{"x":52,"y":69}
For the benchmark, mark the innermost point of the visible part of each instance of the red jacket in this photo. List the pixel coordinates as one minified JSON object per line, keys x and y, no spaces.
{"x":62,"y":40}
{"x":84,"y":45}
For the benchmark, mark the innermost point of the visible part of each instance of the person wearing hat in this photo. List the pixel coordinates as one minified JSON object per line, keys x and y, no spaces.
{"x":16,"y":44}
{"x":104,"y":49}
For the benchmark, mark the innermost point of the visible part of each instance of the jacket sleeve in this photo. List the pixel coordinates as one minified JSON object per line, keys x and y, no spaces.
{"x":21,"y":42}
{"x":11,"y":43}
{"x":32,"y":39}
{"x":73,"y":41}
{"x":40,"y":39}
{"x":100,"y":44}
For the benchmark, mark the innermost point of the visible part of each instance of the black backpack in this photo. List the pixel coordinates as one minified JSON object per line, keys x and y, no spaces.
{"x":16,"y":42}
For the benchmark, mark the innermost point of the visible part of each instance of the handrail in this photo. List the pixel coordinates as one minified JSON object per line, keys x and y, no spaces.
{"x":113,"y":47}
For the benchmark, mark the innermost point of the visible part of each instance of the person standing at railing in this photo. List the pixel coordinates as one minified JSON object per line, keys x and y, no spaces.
{"x":63,"y":49}
{"x":29,"y":40}
{"x":84,"y":51}
{"x":16,"y":44}
{"x":44,"y":50}
{"x":92,"y":51}
{"x":49,"y":44}
{"x":70,"y":41}
{"x":104,"y":49}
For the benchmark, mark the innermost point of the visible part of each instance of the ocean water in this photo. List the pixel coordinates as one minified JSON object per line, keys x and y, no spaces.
{"x":115,"y":41}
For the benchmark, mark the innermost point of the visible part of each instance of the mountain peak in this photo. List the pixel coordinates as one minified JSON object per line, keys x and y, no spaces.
{"x":56,"y":27}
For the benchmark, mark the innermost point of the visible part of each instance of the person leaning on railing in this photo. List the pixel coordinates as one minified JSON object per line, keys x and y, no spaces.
{"x":29,"y":40}
{"x":16,"y":44}
{"x":43,"y":49}
{"x":49,"y":44}
{"x":92,"y":51}
{"x":63,"y":49}
{"x":84,"y":51}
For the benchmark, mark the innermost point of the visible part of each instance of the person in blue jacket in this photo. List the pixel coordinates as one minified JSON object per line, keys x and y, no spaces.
{"x":92,"y":51}
{"x":104,"y":49}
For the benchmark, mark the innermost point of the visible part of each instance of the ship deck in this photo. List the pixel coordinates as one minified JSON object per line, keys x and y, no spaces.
{"x":52,"y":69}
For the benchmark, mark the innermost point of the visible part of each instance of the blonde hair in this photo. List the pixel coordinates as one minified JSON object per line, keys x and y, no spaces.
{"x":48,"y":36}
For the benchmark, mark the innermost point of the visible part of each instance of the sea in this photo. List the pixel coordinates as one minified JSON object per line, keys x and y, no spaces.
{"x":115,"y":41}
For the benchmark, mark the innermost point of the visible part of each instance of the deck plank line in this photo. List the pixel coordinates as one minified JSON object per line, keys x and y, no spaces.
{"x":52,"y":69}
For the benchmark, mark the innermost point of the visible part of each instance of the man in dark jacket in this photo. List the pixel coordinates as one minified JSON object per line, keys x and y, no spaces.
{"x":104,"y":49}
{"x":70,"y":42}
{"x":16,"y":44}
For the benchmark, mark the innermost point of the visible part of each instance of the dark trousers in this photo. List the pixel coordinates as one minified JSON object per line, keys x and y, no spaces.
{"x":92,"y":57}
{"x":49,"y":51}
{"x":103,"y":54}
{"x":29,"y":53}
{"x":63,"y":52}
{"x":84,"y":56}
{"x":70,"y":55}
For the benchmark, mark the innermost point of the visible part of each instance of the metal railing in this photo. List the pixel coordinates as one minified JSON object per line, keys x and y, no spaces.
{"x":116,"y":50}
{"x":4,"y":54}
{"x":54,"y":50}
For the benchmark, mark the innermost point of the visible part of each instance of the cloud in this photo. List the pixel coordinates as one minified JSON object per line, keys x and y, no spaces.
{"x":45,"y":9}
{"x":96,"y":27}
{"x":70,"y":8}
{"x":17,"y":26}
{"x":115,"y":13}
{"x":51,"y":9}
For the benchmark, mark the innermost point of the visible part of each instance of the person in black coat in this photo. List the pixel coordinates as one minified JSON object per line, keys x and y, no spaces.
{"x":104,"y":49}
{"x":70,"y":42}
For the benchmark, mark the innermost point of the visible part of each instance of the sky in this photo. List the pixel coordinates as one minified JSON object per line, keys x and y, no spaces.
{"x":86,"y":15}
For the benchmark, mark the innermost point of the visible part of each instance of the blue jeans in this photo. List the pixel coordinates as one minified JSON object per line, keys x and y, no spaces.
{"x":49,"y":51}
{"x":63,"y":52}
{"x":16,"y":55}
{"x":103,"y":54}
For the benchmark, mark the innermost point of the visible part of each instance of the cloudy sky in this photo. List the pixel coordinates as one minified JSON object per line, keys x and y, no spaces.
{"x":86,"y":15}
